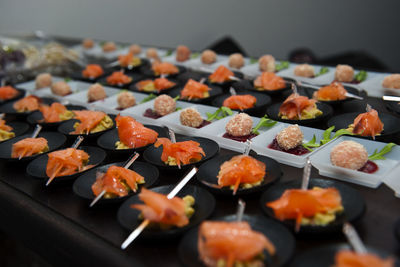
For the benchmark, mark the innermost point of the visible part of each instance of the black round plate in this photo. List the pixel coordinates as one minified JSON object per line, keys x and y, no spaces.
{"x":390,"y":122}
{"x":208,"y":173}
{"x":310,"y":91}
{"x":352,"y":201}
{"x":263,"y":101}
{"x":135,"y":78}
{"x":9,"y":109}
{"x":107,"y":140}
{"x":36,"y":117}
{"x":326,"y":109}
{"x":249,"y":85}
{"x":282,"y":239}
{"x":397,"y":229}
{"x":20,"y":94}
{"x":147,"y":71}
{"x":165,"y":91}
{"x":54,"y":141}
{"x":37,"y":167}
{"x":83,"y":184}
{"x":197,"y":76}
{"x":393,"y":106}
{"x":204,"y":206}
{"x":214,"y":92}
{"x":19,"y":128}
{"x":325,"y":256}
{"x":153,"y":154}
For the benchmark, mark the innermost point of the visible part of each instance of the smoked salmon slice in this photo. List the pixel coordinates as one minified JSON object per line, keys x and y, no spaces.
{"x":158,"y":85}
{"x":118,"y":77}
{"x":368,"y":124}
{"x":231,"y":242}
{"x":347,"y":258}
{"x":294,"y":106}
{"x":332,"y":92}
{"x":298,"y":204}
{"x":179,"y":153}
{"x":241,"y":169}
{"x":195,"y":90}
{"x":28,"y":103}
{"x":133,"y":134}
{"x":52,"y":113}
{"x":158,"y":208}
{"x":269,"y":81}
{"x":240,"y":102}
{"x":8,"y":92}
{"x":4,"y":126}
{"x":28,"y":147}
{"x":66,"y":162}
{"x":128,"y":60}
{"x":221,"y":74}
{"x":164,"y":68}
{"x":92,"y":71}
{"x":117,"y":181}
{"x":88,"y":120}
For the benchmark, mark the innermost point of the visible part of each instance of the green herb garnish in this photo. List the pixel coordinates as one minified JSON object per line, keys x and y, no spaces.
{"x":326,"y":137}
{"x":176,"y":97}
{"x":361,"y":76}
{"x":264,"y":122}
{"x":178,"y":108}
{"x":322,"y":71}
{"x":67,"y":79}
{"x":169,"y":52}
{"x":194,"y":55}
{"x":379,"y":155}
{"x":282,"y":65}
{"x":253,"y":60}
{"x":220,"y":113}
{"x":148,"y":98}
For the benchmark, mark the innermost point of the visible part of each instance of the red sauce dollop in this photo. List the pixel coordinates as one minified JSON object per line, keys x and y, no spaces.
{"x":243,"y":138}
{"x":149,"y":113}
{"x":369,"y":167}
{"x":204,"y":123}
{"x":298,"y":150}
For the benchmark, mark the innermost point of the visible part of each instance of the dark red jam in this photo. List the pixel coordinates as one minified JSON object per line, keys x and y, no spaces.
{"x":204,"y":123}
{"x":298,"y":150}
{"x":352,"y":82}
{"x":243,"y":138}
{"x":149,"y":113}
{"x":369,"y":167}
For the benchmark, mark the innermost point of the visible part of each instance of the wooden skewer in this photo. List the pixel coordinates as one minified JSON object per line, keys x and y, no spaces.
{"x":354,"y":239}
{"x":126,"y":166}
{"x":146,"y":222}
{"x":306,"y":175}
{"x":240,"y":210}
{"x":391,"y":98}
{"x":34,"y":135}
{"x":247,"y":147}
{"x":173,"y":140}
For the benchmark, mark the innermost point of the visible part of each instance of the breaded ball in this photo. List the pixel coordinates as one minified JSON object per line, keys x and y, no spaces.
{"x":152,"y":53}
{"x":304,"y":70}
{"x":190,"y":117}
{"x":61,"y":88}
{"x":87,"y":43}
{"x":349,"y":154}
{"x":96,"y":92}
{"x":290,"y":137}
{"x":344,"y":73}
{"x":126,"y":100}
{"x":236,"y":61}
{"x":208,"y":56}
{"x":164,"y":104}
{"x":240,"y":125}
{"x":135,"y":49}
{"x":43,"y":80}
{"x":109,"y":47}
{"x":266,"y":63}
{"x":182,"y":53}
{"x":392,"y":81}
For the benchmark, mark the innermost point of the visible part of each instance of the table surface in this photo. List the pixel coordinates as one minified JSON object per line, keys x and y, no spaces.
{"x":60,"y":226}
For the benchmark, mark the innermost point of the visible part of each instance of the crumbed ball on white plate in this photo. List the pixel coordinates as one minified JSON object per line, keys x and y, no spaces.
{"x":152,"y":53}
{"x":191,"y":117}
{"x":304,"y":70}
{"x":236,"y":61}
{"x":135,"y":49}
{"x":266,"y":63}
{"x":208,"y":56}
{"x":87,"y":43}
{"x":109,"y":47}
{"x":240,"y":125}
{"x":126,"y":100}
{"x":349,"y":154}
{"x":344,"y":73}
{"x":61,"y":88}
{"x":290,"y":137}
{"x":164,"y":104}
{"x":96,"y":92}
{"x":182,"y":53}
{"x":43,"y":80}
{"x":392,"y":81}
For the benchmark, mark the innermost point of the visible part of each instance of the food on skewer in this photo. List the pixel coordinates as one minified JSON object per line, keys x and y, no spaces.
{"x":317,"y":206}
{"x":164,"y":68}
{"x":391,"y":81}
{"x":236,"y":61}
{"x":232,"y":244}
{"x":266,"y":63}
{"x":135,"y":49}
{"x":179,"y":153}
{"x":304,"y":70}
{"x":195,"y":90}
{"x":332,"y":92}
{"x":269,"y":81}
{"x":132,"y":134}
{"x":129,"y":60}
{"x":5,"y":131}
{"x":55,"y":113}
{"x":192,"y":118}
{"x":118,"y":78}
{"x":297,"y":107}
{"x":117,"y":182}
{"x":347,"y":258}
{"x":163,"y":105}
{"x":96,"y":92}
{"x":182,"y":53}
{"x":289,"y":140}
{"x":8,"y":92}
{"x":208,"y":57}
{"x":126,"y":100}
{"x":61,"y":88}
{"x":240,"y":102}
{"x":43,"y":80}
{"x":91,"y":122}
{"x":158,"y":209}
{"x":157,"y":85}
{"x":109,"y":47}
{"x":367,"y":124}
{"x":344,"y":73}
{"x":92,"y":71}
{"x":239,"y":128}
{"x":152,"y":53}
{"x":87,"y":43}
{"x":221,"y":74}
{"x":27,"y":104}
{"x":28,"y":147}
